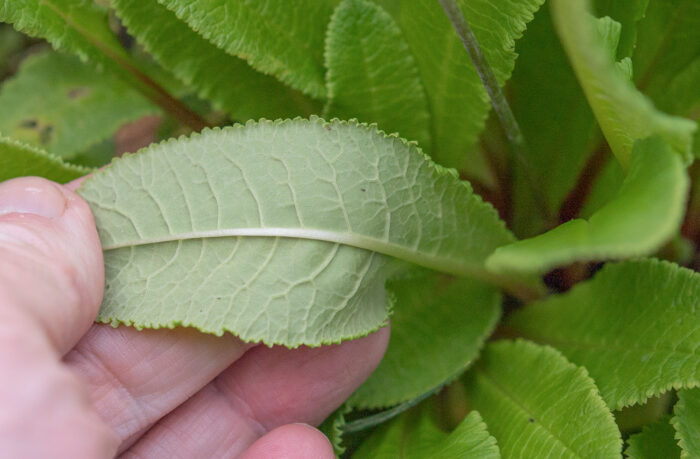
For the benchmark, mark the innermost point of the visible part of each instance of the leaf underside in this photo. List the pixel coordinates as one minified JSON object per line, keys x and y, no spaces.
{"x":533,"y":401}
{"x":600,"y":324}
{"x":281,"y":232}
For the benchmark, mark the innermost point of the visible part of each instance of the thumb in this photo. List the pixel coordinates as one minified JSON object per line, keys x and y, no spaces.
{"x":51,"y":267}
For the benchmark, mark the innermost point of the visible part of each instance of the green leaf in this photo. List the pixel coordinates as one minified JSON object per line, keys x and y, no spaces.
{"x":457,"y":99}
{"x":60,"y":104}
{"x":667,"y":57}
{"x":289,"y":225}
{"x":624,"y":114}
{"x":415,"y":435}
{"x":646,"y":212}
{"x":653,"y":442}
{"x":437,"y":329}
{"x":372,"y":75}
{"x":534,"y":401}
{"x":273,"y":37}
{"x":229,"y":82}
{"x":686,"y":421}
{"x":628,"y":13}
{"x":635,"y":327}
{"x":559,"y":135}
{"x":18,"y":159}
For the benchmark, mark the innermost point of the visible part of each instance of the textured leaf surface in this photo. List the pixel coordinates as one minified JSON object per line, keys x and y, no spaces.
{"x":598,"y":324}
{"x":654,"y":441}
{"x":415,"y":436}
{"x":273,"y":37}
{"x":686,"y":421}
{"x":18,"y":159}
{"x":645,"y":213}
{"x":372,"y":75}
{"x":624,"y":114}
{"x":559,"y":135}
{"x":535,"y":402}
{"x":279,"y":231}
{"x":437,"y":330}
{"x":229,"y":82}
{"x":458,"y":101}
{"x":60,"y":104}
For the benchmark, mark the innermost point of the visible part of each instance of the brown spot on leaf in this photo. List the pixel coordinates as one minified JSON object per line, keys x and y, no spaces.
{"x":29,"y":124}
{"x":77,"y":93}
{"x":45,"y":134}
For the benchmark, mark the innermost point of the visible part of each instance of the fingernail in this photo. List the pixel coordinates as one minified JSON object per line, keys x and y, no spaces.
{"x":31,"y":195}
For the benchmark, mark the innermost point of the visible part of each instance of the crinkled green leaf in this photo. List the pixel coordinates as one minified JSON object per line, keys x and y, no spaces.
{"x":635,"y":327}
{"x":645,"y":213}
{"x":415,"y":435}
{"x":229,"y":82}
{"x":559,"y":135}
{"x":332,"y":428}
{"x":274,"y":37}
{"x":625,"y":115}
{"x":535,"y":402}
{"x":655,"y":441}
{"x":667,"y":57}
{"x":686,"y":421}
{"x":279,"y":232}
{"x":60,"y":104}
{"x":457,"y":99}
{"x":437,"y":330}
{"x":372,"y":75}
{"x":18,"y":159}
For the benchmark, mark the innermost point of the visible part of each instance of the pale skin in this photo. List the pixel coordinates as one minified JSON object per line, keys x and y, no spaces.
{"x":70,"y":388}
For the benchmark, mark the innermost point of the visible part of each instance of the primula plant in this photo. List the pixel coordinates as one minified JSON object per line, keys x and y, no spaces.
{"x":510,"y":181}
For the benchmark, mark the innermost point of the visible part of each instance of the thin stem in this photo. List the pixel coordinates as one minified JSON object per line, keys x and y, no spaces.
{"x":498,"y":99}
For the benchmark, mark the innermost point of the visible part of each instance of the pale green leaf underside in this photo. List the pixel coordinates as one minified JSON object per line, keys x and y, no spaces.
{"x":437,"y":329}
{"x":625,"y":115}
{"x":655,"y":441}
{"x":645,"y":213}
{"x":18,"y":160}
{"x":686,"y":421}
{"x":535,"y":403}
{"x":598,"y":324}
{"x":229,"y":82}
{"x":457,"y":99}
{"x":372,"y":75}
{"x":288,"y":224}
{"x":273,"y":37}
{"x":62,"y":105}
{"x":415,"y":436}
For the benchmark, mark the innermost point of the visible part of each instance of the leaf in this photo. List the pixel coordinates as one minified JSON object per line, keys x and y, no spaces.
{"x":667,"y":57}
{"x":599,"y":324}
{"x":279,"y":232}
{"x":559,"y":135}
{"x":437,"y":329}
{"x":372,"y":75}
{"x":415,"y":435}
{"x":655,"y":441}
{"x":60,"y":104}
{"x":686,"y":421}
{"x":646,"y":212}
{"x":534,"y":401}
{"x":18,"y":159}
{"x":458,"y":101}
{"x":229,"y":82}
{"x":624,"y":114}
{"x":332,"y":428}
{"x":274,"y":38}
{"x":628,"y":14}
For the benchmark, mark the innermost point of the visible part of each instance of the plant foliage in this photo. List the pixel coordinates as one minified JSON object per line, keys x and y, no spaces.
{"x":531,"y":299}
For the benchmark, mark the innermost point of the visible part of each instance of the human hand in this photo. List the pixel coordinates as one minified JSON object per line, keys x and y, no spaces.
{"x":71,"y":388}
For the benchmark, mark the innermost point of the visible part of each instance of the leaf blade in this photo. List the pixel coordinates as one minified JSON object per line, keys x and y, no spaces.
{"x":18,"y":159}
{"x":686,"y":421}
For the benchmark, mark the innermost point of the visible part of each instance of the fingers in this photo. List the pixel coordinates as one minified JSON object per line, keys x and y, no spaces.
{"x":266,"y":388}
{"x":52,"y":273}
{"x":50,"y":288}
{"x":136,"y":377}
{"x":293,"y":441}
